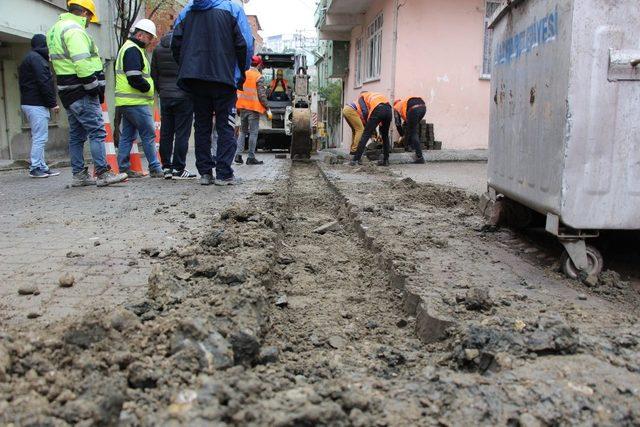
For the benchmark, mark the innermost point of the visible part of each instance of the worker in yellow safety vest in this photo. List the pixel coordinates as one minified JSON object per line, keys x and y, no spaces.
{"x":81,"y":85}
{"x":135,"y":97}
{"x":251,"y":104}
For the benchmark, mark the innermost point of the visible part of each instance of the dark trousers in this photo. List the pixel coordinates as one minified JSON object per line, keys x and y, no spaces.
{"x":177,"y":120}
{"x":414,"y":116}
{"x":380,"y":116}
{"x":219,"y":99}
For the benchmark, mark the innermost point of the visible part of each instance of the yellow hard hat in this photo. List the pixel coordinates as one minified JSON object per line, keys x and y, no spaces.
{"x":89,"y":5}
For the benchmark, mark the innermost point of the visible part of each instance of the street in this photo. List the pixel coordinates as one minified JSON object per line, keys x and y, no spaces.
{"x":311,"y":294}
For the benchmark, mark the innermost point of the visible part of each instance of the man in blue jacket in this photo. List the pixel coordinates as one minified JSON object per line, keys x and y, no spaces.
{"x":37,"y":97}
{"x":213,"y":45}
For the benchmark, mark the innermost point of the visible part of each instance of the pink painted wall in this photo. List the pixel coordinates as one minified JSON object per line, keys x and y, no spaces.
{"x":440,"y":46}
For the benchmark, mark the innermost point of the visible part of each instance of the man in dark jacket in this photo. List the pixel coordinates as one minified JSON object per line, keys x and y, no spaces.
{"x":37,"y":97}
{"x":213,"y":45}
{"x":176,"y":110}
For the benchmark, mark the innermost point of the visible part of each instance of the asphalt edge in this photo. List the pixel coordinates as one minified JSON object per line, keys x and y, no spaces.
{"x":429,"y":327}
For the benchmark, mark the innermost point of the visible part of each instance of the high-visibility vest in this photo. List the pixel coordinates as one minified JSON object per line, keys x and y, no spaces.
{"x":248,"y":97}
{"x":127,"y":95}
{"x":401,"y":107}
{"x":283,"y":82}
{"x":372,"y":100}
{"x":74,"y":55}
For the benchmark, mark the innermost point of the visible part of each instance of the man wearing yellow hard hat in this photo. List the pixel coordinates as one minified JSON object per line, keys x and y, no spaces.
{"x":81,"y":86}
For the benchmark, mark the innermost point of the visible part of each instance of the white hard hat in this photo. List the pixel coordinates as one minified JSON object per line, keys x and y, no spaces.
{"x":146,"y":25}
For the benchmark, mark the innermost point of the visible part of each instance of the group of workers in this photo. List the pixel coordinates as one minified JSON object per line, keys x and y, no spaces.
{"x":373,"y":111}
{"x":195,"y":85}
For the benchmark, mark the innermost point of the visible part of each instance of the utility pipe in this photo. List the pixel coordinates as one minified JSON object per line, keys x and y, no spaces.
{"x":394,"y":56}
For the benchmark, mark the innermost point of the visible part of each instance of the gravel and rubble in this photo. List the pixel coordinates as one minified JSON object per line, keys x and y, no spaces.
{"x":298,"y":306}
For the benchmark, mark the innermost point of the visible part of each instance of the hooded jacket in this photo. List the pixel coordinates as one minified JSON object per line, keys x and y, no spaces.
{"x":36,"y":80}
{"x":212,"y":42}
{"x":164,"y":70}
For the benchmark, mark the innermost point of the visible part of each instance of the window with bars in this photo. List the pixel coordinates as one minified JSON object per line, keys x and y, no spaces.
{"x":490,"y":9}
{"x":373,"y":61}
{"x":358,"y":63}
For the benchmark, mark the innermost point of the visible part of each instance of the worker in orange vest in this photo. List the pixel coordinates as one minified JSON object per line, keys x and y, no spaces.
{"x":251,"y":104}
{"x":279,"y":88}
{"x":408,"y":114}
{"x":356,"y":122}
{"x":377,"y":110}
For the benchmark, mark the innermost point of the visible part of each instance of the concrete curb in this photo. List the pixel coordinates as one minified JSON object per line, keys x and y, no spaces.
{"x":24,"y":164}
{"x":430,"y":155}
{"x":429,"y":327}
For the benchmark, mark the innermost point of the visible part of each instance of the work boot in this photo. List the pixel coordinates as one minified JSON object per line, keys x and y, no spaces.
{"x":229,"y":181}
{"x":168,"y":173}
{"x":82,"y":179}
{"x":157,"y":173}
{"x":133,"y":174}
{"x":206,"y":180}
{"x":419,"y":161}
{"x":355,"y":162}
{"x":108,"y":178}
{"x":238,"y":159}
{"x":254,"y":161}
{"x":383,"y":162}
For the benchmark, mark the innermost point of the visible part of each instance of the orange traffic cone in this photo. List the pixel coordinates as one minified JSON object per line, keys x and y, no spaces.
{"x":109,"y":145}
{"x":158,"y":123}
{"x":135,"y":160}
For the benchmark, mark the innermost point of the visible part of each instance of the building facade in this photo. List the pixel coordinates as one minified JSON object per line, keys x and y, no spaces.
{"x":435,"y":49}
{"x":19,"y":21}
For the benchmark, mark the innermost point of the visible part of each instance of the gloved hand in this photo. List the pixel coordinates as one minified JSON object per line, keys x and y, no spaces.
{"x":269,"y":114}
{"x":243,"y":78}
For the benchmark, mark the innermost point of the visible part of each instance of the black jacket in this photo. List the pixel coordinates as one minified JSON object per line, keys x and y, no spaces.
{"x":212,"y":42}
{"x":164,"y":70}
{"x":36,"y":80}
{"x":133,"y":61}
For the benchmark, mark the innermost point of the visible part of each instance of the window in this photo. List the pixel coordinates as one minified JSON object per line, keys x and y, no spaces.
{"x":358,"y":63}
{"x":491,"y":7}
{"x":373,"y":61}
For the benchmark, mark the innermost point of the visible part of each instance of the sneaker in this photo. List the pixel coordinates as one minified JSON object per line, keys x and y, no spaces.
{"x":167,"y":173}
{"x":206,"y":180}
{"x":51,"y":172}
{"x":419,"y":161}
{"x":38,"y":173}
{"x":156,"y":173}
{"x":254,"y":161}
{"x":109,"y":178}
{"x":239,"y":160}
{"x":133,"y":174}
{"x":82,"y":179}
{"x":229,"y":181}
{"x":383,"y":162}
{"x":183,"y":174}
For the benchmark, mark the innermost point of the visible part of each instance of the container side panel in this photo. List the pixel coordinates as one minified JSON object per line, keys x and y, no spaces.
{"x":530,"y":80}
{"x":602,"y":172}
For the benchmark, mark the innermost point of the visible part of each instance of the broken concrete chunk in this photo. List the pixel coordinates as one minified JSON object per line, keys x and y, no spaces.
{"x":337,"y":342}
{"x":66,"y":280}
{"x":330,"y":226}
{"x":28,"y":290}
{"x":282,"y":301}
{"x":478,"y":299}
{"x":269,"y":355}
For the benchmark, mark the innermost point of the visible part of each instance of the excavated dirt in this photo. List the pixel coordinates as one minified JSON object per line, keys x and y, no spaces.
{"x":367,"y":304}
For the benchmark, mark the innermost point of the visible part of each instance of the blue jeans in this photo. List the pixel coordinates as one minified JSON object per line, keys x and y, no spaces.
{"x":85,"y":120}
{"x":137,"y":118}
{"x":38,"y":117}
{"x":249,"y":123}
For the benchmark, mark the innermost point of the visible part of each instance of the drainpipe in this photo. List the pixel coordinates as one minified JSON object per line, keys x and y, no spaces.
{"x":6,"y":109}
{"x":394,"y":57}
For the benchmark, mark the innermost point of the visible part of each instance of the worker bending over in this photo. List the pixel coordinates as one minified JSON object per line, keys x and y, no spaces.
{"x":408,"y":114}
{"x":356,"y":122}
{"x":252,"y":103}
{"x":378,"y":112}
{"x":279,"y":88}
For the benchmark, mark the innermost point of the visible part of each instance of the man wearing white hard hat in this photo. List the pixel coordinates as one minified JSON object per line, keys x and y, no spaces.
{"x":134,"y":98}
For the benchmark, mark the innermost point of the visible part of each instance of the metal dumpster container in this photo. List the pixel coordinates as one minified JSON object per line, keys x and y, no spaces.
{"x":565,"y":116}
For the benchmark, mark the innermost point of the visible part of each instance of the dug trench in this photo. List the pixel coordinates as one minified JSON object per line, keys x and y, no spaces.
{"x":297,"y":308}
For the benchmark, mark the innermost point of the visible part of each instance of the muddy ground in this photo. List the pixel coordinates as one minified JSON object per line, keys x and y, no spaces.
{"x":340,"y":297}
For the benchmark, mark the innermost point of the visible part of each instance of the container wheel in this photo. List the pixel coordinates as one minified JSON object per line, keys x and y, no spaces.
{"x":594,"y":258}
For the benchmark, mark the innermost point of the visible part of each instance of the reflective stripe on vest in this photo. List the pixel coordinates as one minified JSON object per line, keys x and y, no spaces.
{"x":126,"y":95}
{"x":248,"y":97}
